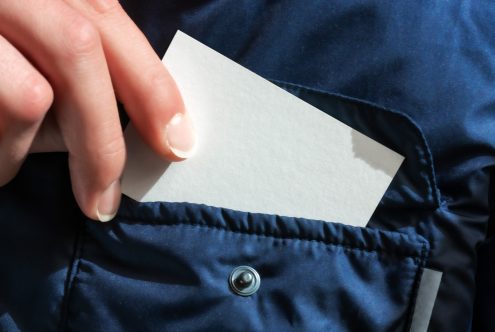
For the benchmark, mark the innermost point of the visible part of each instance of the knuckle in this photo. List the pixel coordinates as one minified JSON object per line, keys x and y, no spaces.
{"x":106,"y":6}
{"x":164,"y":89}
{"x":111,"y":160}
{"x":82,"y":38}
{"x":158,"y":76}
{"x":113,"y":150}
{"x":103,"y":160}
{"x":36,"y":99}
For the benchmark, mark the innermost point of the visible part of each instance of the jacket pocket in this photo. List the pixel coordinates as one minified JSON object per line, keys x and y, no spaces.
{"x":165,"y":267}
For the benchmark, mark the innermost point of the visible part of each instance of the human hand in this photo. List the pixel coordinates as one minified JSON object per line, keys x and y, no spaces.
{"x":64,"y":55}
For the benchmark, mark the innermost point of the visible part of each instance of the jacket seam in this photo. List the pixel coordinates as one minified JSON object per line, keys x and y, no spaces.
{"x":72,"y":277}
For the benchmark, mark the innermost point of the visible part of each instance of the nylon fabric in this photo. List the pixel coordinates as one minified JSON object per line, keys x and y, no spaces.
{"x":417,"y":76}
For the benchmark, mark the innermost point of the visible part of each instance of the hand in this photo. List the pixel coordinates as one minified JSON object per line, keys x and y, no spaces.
{"x":64,"y":55}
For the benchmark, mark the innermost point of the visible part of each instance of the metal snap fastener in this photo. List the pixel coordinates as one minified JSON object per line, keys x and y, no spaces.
{"x":244,"y":280}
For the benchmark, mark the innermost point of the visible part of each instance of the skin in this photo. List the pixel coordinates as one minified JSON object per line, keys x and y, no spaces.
{"x":62,"y":65}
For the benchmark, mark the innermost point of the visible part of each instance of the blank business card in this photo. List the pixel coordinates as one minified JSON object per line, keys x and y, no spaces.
{"x":260,"y":149}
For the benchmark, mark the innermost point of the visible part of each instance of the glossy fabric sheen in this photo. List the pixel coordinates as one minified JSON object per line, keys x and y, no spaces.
{"x":417,"y":76}
{"x":165,"y":267}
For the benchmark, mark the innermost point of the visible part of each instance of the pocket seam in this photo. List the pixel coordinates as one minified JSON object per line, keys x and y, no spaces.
{"x":72,"y":278}
{"x":419,"y":258}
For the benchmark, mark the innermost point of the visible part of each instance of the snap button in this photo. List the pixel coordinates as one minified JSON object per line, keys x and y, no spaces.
{"x":244,"y":280}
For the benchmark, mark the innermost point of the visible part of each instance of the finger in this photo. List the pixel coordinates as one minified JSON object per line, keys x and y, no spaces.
{"x":67,"y":47}
{"x":25,"y":97}
{"x":143,"y":84}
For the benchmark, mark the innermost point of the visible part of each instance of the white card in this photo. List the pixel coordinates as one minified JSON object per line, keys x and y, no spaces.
{"x":260,"y":149}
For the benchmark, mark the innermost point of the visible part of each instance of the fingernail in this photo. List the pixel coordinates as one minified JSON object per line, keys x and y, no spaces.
{"x":109,"y":202}
{"x":180,"y":135}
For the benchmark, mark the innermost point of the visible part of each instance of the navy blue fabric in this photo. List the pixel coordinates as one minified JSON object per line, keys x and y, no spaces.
{"x":164,"y":267}
{"x":38,"y":230}
{"x":418,"y":76}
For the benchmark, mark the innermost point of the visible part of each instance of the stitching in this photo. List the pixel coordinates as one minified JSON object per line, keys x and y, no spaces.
{"x":257,"y":234}
{"x":69,"y":276}
{"x":433,"y":187}
{"x":77,"y":264}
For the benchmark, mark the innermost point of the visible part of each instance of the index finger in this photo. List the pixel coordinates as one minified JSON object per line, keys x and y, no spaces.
{"x":141,"y":81}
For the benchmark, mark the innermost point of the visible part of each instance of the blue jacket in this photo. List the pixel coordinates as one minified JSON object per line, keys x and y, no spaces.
{"x":417,"y":76}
